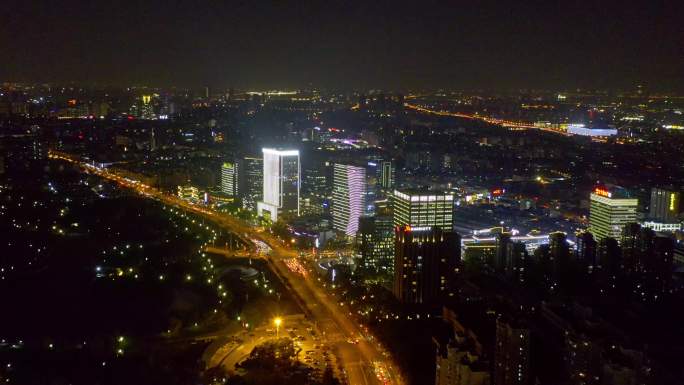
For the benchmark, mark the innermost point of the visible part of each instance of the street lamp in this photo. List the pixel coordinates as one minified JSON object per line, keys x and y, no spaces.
{"x":277,"y":321}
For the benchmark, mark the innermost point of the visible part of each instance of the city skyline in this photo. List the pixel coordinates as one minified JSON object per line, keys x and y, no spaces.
{"x":342,"y":193}
{"x":545,"y":215}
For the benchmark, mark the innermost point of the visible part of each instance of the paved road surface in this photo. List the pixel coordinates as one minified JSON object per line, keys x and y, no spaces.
{"x":359,"y":360}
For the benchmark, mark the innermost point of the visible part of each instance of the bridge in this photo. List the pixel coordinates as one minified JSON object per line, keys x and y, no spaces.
{"x":511,"y":125}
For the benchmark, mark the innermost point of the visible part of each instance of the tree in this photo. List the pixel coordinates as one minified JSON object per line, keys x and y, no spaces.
{"x":328,"y":377}
{"x":279,"y":229}
{"x":275,"y":362}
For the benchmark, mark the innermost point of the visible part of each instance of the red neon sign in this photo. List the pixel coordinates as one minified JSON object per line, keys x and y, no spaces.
{"x":602,"y":192}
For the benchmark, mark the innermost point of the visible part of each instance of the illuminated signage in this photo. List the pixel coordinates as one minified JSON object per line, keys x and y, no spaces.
{"x":672,"y":201}
{"x":603,"y":192}
{"x":408,"y":228}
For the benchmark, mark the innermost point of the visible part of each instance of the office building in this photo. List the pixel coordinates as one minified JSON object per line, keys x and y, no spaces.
{"x":229,"y":179}
{"x":374,"y":191}
{"x":376,"y":240}
{"x":511,"y":354}
{"x":315,"y":191}
{"x":423,"y":209}
{"x":281,"y":184}
{"x":610,"y":210}
{"x":146,"y":109}
{"x":250,"y":178}
{"x":426,"y":264}
{"x":349,"y":192}
{"x":387,"y":175}
{"x":664,"y":205}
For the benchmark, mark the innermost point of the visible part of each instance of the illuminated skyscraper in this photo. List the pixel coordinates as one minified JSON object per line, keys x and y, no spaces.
{"x":426,"y":262}
{"x":376,"y":238}
{"x":379,"y":181}
{"x":426,"y":250}
{"x":664,"y":205}
{"x":423,"y":209}
{"x":349,"y":194}
{"x":315,"y":191}
{"x":229,"y":179}
{"x":250,"y":181}
{"x":146,"y":107}
{"x":610,"y":211}
{"x":281,"y":184}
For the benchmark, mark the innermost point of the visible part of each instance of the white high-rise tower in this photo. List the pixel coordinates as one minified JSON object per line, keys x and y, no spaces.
{"x":281,"y":184}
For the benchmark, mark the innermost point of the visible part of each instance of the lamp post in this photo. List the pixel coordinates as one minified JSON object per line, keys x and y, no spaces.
{"x":277,"y":321}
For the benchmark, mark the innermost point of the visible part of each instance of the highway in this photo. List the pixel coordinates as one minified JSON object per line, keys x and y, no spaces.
{"x":359,"y":357}
{"x":364,"y":361}
{"x":511,"y":125}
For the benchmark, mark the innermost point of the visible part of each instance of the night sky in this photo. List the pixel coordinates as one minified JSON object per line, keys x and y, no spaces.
{"x":346,"y":44}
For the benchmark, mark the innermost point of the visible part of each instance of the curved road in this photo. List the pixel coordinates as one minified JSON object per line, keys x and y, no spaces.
{"x":363,"y":361}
